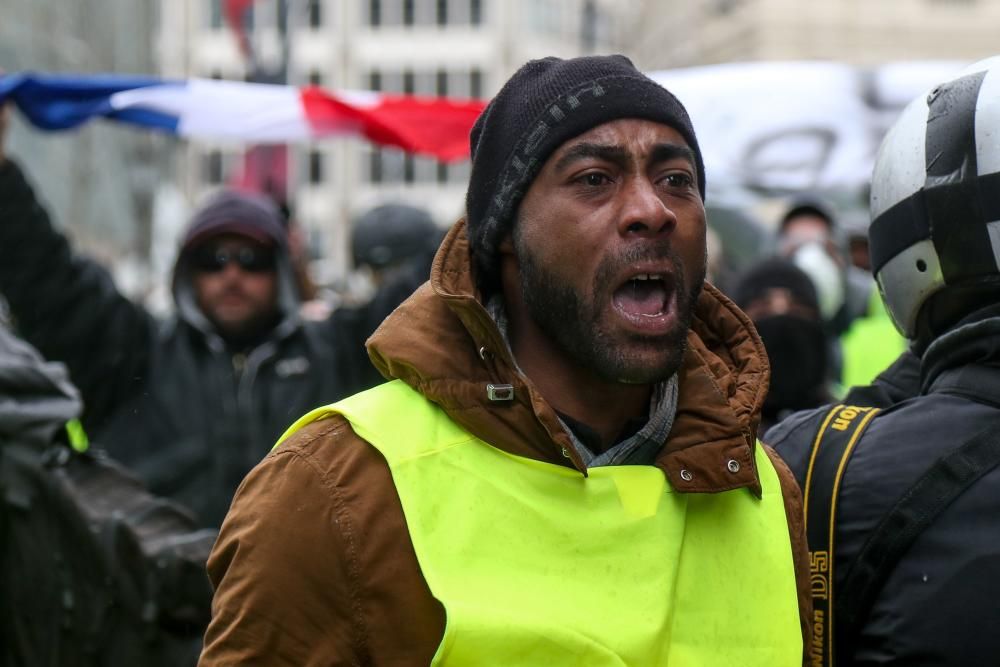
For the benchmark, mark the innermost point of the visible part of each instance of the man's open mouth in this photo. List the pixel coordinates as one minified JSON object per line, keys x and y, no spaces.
{"x":644,"y":295}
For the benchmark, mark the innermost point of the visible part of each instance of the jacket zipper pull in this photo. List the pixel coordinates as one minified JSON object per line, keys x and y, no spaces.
{"x":495,"y":392}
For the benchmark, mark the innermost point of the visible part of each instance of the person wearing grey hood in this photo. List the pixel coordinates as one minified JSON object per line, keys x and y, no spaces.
{"x":191,"y":404}
{"x":38,"y":398}
{"x":94,"y":570}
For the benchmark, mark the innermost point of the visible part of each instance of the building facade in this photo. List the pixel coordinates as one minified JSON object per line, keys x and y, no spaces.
{"x":457,"y":48}
{"x":99,"y":180}
{"x":667,"y":35}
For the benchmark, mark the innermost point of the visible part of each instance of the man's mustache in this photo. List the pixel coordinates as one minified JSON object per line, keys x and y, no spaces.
{"x":658,"y":251}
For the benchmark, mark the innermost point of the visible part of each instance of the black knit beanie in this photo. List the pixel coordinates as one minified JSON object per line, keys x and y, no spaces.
{"x":544,"y":104}
{"x":776,"y":272}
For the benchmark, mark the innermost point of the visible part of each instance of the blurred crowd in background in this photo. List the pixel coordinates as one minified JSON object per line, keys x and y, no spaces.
{"x":123,"y":230}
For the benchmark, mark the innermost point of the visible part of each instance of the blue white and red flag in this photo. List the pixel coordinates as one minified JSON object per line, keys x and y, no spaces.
{"x":245,"y":112}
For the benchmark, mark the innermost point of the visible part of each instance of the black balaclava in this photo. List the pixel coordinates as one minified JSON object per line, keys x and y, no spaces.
{"x":796,"y":342}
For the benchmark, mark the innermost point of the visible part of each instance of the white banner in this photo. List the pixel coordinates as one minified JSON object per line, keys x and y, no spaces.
{"x":797,"y":125}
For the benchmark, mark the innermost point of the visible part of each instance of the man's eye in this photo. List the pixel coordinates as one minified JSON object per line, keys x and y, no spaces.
{"x":678,"y":180}
{"x":594,"y":179}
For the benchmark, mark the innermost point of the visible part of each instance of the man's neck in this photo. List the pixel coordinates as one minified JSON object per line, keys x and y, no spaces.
{"x":606,"y":407}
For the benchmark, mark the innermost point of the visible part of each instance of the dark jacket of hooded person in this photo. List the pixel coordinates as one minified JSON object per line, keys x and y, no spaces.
{"x":187,"y":411}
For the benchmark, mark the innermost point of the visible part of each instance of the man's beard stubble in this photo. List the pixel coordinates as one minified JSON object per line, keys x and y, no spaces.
{"x":245,"y":331}
{"x":573,"y":322}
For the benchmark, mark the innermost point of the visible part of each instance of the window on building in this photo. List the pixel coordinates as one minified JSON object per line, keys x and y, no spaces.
{"x":425,"y":83}
{"x":458,"y":84}
{"x":374,"y":80}
{"x":215,"y":14}
{"x":441,"y":12}
{"x":476,"y":12}
{"x":392,"y":81}
{"x":248,"y":18}
{"x":426,"y":12}
{"x":315,"y":78}
{"x":459,"y":172}
{"x":408,"y":82}
{"x":375,"y":167}
{"x":458,"y":12}
{"x":476,"y":83}
{"x":315,"y":10}
{"x":441,"y":83}
{"x":374,"y":13}
{"x":408,"y":12}
{"x":542,"y":17}
{"x":393,"y":167}
{"x":409,"y":168}
{"x":316,"y":165}
{"x":212,"y":168}
{"x":425,"y":170}
{"x":442,"y":172}
{"x":588,"y":26}
{"x":725,"y":6}
{"x":216,"y":74}
{"x":394,"y":11}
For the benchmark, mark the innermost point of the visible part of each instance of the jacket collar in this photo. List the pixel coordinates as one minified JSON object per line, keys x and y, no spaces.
{"x":444,"y":344}
{"x":972,"y":341}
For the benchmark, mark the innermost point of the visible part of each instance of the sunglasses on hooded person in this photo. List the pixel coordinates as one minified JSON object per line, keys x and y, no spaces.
{"x":212,"y":258}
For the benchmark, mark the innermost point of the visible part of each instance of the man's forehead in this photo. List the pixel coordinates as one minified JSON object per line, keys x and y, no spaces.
{"x":625,"y":136}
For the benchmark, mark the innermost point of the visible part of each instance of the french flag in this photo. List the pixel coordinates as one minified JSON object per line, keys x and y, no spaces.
{"x":246,"y":112}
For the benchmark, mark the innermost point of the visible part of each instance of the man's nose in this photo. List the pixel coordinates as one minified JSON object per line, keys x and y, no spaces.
{"x":644,"y":209}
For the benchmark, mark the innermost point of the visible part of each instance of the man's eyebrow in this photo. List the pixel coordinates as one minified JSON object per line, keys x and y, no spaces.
{"x":668,"y":152}
{"x":584,"y":151}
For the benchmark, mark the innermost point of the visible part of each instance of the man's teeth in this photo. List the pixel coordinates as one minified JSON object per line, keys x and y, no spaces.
{"x":648,"y":276}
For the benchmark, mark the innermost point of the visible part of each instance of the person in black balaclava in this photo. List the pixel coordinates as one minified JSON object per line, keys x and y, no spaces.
{"x":781,"y":300}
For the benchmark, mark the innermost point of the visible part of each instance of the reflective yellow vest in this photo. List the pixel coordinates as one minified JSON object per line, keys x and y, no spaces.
{"x":870,"y":345}
{"x":537,"y":564}
{"x":77,"y":436}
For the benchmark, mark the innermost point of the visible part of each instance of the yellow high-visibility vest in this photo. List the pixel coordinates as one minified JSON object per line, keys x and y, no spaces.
{"x":537,"y":564}
{"x":870,"y":345}
{"x":77,"y":436}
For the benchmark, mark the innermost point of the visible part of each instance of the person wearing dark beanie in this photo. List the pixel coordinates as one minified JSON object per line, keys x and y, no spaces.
{"x":782,"y":302}
{"x":777,"y":274}
{"x":563,"y":468}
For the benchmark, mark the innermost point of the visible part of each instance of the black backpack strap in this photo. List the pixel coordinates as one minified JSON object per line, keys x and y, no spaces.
{"x":945,"y":481}
{"x":828,"y":459}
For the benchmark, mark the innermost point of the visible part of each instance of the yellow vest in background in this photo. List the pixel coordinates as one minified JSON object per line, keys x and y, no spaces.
{"x":870,"y":345}
{"x":537,"y":564}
